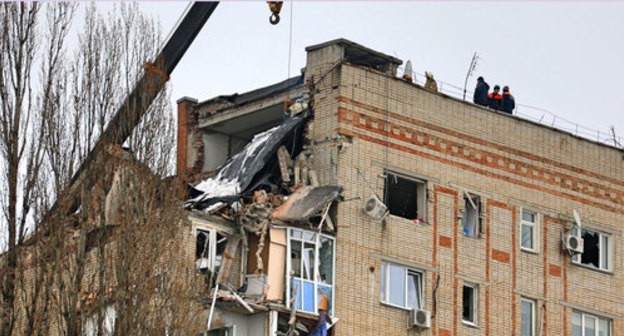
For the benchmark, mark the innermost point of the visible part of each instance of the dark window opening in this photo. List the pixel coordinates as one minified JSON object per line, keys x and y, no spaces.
{"x":472,"y":215}
{"x":202,"y":242}
{"x":591,"y":253}
{"x":405,"y":197}
{"x":469,"y":304}
{"x":596,"y":250}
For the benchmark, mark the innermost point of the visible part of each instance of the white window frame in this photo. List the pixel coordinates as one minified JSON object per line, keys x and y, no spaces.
{"x":472,"y":206}
{"x":474,"y":304}
{"x":316,"y":275}
{"x":90,"y":326}
{"x":385,"y":292}
{"x":212,"y":244}
{"x":421,"y":195}
{"x":602,"y":236}
{"x":584,"y":316}
{"x":533,"y":315}
{"x":534,"y":226}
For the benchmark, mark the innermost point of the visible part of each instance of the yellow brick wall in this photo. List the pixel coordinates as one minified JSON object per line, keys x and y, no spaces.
{"x":511,"y":163}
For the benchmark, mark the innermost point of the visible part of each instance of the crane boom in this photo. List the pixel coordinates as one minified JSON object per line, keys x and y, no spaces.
{"x":138,"y":101}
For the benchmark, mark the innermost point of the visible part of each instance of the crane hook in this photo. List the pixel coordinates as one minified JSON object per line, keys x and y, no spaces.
{"x":275,"y":7}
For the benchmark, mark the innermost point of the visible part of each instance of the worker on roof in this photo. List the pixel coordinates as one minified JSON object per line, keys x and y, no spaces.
{"x":408,"y":73}
{"x":495,"y":100}
{"x":481,"y":92}
{"x":508,"y":102}
{"x":430,"y":84}
{"x":321,"y":325}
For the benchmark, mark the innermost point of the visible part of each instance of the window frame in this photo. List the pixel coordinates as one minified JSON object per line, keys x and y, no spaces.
{"x":474,"y":304}
{"x":577,"y":258}
{"x":90,"y":325}
{"x":533,"y":315}
{"x":534,"y":228}
{"x":597,"y":318}
{"x":385,"y":289}
{"x":468,"y":205}
{"x":315,"y":276}
{"x":421,"y":194}
{"x":213,"y":244}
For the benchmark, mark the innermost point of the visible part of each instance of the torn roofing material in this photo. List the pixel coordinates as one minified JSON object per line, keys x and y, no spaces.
{"x":306,"y":202}
{"x":238,"y":174}
{"x":244,"y":98}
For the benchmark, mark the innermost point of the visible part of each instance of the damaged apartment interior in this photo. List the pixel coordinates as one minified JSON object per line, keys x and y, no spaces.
{"x":262,"y":219}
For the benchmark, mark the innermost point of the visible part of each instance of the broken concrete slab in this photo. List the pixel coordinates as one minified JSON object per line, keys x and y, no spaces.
{"x":306,"y":202}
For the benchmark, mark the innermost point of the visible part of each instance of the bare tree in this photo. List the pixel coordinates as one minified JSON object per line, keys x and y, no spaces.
{"x":23,"y":98}
{"x":62,"y":277}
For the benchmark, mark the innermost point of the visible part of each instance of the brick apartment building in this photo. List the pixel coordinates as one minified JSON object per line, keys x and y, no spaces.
{"x":480,"y":230}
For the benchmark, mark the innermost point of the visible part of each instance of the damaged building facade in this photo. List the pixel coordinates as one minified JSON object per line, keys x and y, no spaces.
{"x":412,"y":212}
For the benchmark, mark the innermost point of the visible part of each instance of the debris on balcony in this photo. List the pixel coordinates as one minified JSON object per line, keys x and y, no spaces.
{"x":262,"y":191}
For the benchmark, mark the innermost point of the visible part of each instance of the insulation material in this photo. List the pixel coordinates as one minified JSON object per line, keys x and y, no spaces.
{"x":237,"y":175}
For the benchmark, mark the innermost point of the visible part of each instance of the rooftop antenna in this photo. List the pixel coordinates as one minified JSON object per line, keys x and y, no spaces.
{"x":473,"y":66}
{"x":616,"y":142}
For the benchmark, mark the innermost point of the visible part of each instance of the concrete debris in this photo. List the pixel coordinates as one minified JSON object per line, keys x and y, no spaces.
{"x":306,"y":202}
{"x":285,"y":163}
{"x":268,"y":184}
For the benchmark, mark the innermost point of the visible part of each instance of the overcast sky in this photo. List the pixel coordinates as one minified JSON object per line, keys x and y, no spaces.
{"x":562,"y":56}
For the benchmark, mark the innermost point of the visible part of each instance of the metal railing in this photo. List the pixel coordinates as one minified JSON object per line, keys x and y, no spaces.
{"x":535,"y":114}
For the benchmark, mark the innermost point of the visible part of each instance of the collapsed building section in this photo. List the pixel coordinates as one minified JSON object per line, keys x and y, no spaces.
{"x":258,"y":200}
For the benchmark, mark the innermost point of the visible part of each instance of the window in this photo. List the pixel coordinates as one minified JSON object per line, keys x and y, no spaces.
{"x":227,"y":331}
{"x":470,"y":304}
{"x":91,"y":328}
{"x":311,"y":267}
{"x":596,"y":250}
{"x":406,"y":197}
{"x":209,"y":248}
{"x":527,"y":323}
{"x":401,"y":286}
{"x":472,"y":215}
{"x":590,"y":325}
{"x":528,"y":231}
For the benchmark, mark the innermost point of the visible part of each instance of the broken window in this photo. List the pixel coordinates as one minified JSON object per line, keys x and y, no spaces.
{"x":527,"y":317}
{"x":470,"y":304}
{"x":590,"y":325}
{"x":406,"y":197}
{"x":311,"y":267}
{"x":227,"y":331}
{"x":472,"y":215}
{"x":596,"y":249}
{"x":401,"y":286}
{"x":528,"y":230}
{"x":92,"y":328}
{"x":209,"y":248}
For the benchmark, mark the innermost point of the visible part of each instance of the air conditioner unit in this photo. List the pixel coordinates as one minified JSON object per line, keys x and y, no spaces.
{"x":375,"y":208}
{"x":573,"y":243}
{"x":420,"y":318}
